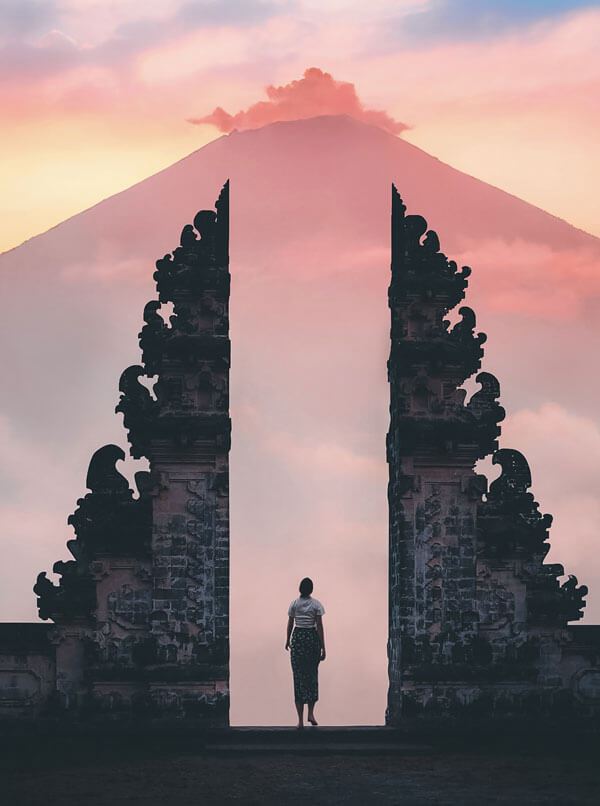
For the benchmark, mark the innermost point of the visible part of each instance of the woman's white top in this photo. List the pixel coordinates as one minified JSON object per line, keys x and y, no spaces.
{"x":305,"y":611}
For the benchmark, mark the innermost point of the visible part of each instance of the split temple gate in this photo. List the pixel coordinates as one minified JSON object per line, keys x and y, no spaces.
{"x":477,"y":622}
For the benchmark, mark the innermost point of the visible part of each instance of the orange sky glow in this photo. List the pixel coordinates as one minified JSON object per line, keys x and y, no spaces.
{"x":518,"y":110}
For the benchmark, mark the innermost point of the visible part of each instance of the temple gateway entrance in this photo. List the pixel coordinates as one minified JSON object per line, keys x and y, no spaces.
{"x":478,"y":623}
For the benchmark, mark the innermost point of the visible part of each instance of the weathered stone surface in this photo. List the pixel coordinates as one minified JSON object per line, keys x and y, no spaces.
{"x":477,"y":621}
{"x":27,"y":669}
{"x":141,"y":614}
{"x":188,"y":450}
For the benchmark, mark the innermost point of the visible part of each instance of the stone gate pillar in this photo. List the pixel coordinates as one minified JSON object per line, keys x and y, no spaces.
{"x":477,"y":620}
{"x":142,"y":611}
{"x":188,"y":445}
{"x":432,"y":445}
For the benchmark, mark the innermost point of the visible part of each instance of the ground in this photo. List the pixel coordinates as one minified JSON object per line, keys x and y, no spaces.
{"x":109,"y":771}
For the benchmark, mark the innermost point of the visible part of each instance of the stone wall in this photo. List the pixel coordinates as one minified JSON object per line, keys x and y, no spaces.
{"x":27,"y":670}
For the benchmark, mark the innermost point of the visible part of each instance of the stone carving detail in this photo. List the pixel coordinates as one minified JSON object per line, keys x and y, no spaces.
{"x":139,"y":410}
{"x":72,"y":600}
{"x":572,"y":598}
{"x":484,"y":403}
{"x":417,"y":264}
{"x":509,"y":518}
{"x":552,"y":603}
{"x":149,"y":583}
{"x":107,"y":521}
{"x":196,"y":259}
{"x":195,"y":279}
{"x":191,"y":429}
{"x":468,"y":585}
{"x":129,"y":607}
{"x":510,"y":524}
{"x":151,"y":337}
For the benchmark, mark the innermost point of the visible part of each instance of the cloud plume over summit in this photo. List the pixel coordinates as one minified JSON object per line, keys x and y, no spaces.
{"x":316,"y":93}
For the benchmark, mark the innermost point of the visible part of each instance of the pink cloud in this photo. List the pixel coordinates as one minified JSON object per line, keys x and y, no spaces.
{"x":316,"y":93}
{"x":533,"y":278}
{"x":313,"y":455}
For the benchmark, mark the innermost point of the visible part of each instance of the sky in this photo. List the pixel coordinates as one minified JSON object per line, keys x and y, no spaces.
{"x":96,"y":95}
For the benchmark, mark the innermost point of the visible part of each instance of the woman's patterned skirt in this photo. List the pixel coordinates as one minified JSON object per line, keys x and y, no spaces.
{"x":305,"y":655}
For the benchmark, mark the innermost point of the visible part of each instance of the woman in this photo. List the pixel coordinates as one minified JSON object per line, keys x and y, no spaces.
{"x":308,"y":649}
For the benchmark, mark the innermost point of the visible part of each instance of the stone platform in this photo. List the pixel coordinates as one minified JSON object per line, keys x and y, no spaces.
{"x":371,"y":739}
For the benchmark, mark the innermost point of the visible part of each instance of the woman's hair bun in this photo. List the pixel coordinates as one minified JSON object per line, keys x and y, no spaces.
{"x":306,"y":587}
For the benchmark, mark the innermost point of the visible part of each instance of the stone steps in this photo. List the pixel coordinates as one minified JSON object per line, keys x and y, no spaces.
{"x":374,"y":739}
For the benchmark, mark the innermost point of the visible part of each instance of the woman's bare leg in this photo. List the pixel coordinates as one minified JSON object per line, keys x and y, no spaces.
{"x":300,"y":709}
{"x":311,"y":716}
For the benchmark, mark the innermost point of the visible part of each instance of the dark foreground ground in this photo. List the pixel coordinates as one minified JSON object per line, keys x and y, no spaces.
{"x":171,"y":767}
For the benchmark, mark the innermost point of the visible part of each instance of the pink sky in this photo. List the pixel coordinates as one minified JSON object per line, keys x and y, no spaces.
{"x":98,"y":96}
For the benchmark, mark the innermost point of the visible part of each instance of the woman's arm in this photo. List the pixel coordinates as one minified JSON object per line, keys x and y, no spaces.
{"x":290,"y":624}
{"x":321,"y":634}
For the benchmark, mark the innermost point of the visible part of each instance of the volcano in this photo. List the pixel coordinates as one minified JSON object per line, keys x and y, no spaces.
{"x":310,"y":213}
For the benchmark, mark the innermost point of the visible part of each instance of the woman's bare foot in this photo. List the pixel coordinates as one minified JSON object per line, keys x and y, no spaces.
{"x":299,"y":726}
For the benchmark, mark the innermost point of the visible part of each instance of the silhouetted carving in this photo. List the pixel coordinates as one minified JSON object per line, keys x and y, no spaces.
{"x":509,"y":518}
{"x":197,"y":259}
{"x":188,"y":238}
{"x":152,"y":337}
{"x":72,"y":600}
{"x":103,"y":476}
{"x":553,"y":604}
{"x":425,"y":285}
{"x":108,"y":520}
{"x":484,"y":402}
{"x":139,"y":410}
{"x":418,"y":267}
{"x":573,"y":595}
{"x":468,"y":587}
